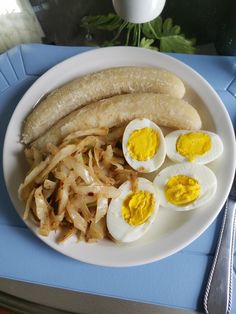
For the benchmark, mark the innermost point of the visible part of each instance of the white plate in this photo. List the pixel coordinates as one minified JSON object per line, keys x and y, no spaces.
{"x":172,"y":230}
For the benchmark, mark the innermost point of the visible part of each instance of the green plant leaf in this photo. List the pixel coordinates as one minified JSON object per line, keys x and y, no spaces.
{"x":169,"y":36}
{"x":167,"y":27}
{"x":153,"y":29}
{"x":160,"y":33}
{"x":176,"y":43}
{"x":147,"y":43}
{"x":108,"y":22}
{"x":146,"y":30}
{"x":175,"y":30}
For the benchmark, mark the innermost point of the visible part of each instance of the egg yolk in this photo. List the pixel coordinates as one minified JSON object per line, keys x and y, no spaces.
{"x":143,"y":144}
{"x":182,"y":190}
{"x":138,"y":207}
{"x":192,"y":145}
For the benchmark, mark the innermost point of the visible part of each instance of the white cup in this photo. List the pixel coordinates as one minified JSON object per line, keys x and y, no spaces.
{"x":138,"y":11}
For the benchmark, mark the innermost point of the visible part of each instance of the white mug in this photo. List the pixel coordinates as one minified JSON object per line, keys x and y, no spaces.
{"x":138,"y":11}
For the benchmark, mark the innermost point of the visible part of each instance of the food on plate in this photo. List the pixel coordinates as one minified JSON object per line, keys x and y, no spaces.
{"x":143,"y":145}
{"x":131,"y":214}
{"x":86,"y":187}
{"x":201,"y":146}
{"x":164,"y":110}
{"x":70,"y":188}
{"x":95,"y":86}
{"x":185,"y":186}
{"x":92,"y":139}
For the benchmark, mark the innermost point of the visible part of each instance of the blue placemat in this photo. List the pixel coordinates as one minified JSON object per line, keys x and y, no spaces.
{"x":177,"y":281}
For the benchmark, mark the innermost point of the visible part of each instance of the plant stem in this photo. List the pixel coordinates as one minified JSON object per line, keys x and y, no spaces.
{"x":135,"y":35}
{"x":123,"y":25}
{"x":128,"y":35}
{"x":152,"y":30}
{"x":139,"y":34}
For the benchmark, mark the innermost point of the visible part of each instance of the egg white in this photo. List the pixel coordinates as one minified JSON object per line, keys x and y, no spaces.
{"x":214,"y":153}
{"x":157,"y":160}
{"x":204,"y":175}
{"x":119,"y":229}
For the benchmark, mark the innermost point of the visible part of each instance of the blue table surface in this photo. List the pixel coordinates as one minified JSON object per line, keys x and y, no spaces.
{"x":177,"y":281}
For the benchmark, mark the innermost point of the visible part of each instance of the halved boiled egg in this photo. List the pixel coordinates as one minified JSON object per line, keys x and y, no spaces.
{"x":143,"y":145}
{"x":131,"y":214}
{"x":200,"y":146}
{"x":185,"y":186}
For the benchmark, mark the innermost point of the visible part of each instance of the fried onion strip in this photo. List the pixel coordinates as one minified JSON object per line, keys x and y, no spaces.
{"x":70,"y":190}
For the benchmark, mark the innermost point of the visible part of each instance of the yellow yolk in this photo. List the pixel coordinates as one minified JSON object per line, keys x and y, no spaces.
{"x":143,"y":144}
{"x":138,"y":207}
{"x":182,"y":190}
{"x":192,"y":145}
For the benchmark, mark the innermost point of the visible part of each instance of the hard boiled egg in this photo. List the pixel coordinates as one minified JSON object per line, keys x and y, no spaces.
{"x":185,"y":186}
{"x":201,"y":146}
{"x":143,"y":145}
{"x":131,"y":214}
